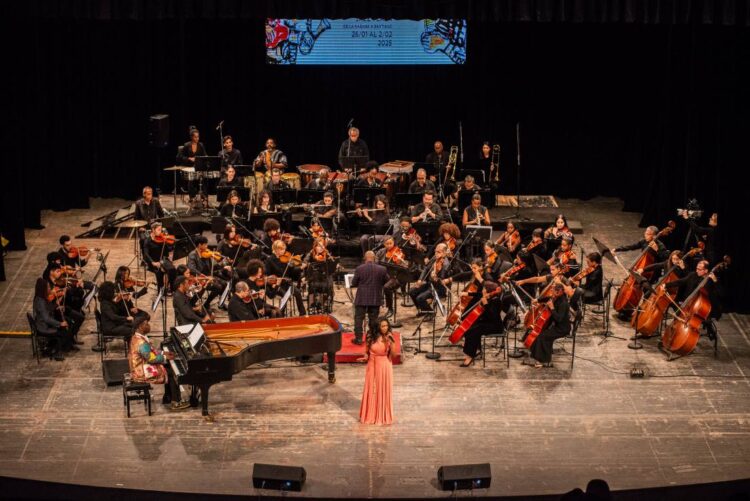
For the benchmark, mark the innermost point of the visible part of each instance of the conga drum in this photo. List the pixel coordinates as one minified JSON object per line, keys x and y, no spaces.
{"x":261,"y":180}
{"x":309,"y":172}
{"x":292,"y":179}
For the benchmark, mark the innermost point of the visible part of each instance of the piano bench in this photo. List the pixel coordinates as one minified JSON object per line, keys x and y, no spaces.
{"x":133,"y":390}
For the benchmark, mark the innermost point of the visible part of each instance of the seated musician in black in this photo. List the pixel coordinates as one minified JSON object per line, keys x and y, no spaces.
{"x":556,"y":273}
{"x":326,"y":208}
{"x":156,"y":252}
{"x":378,"y":217}
{"x":290,"y":272}
{"x":238,"y":251}
{"x":148,"y":208}
{"x":661,"y":268}
{"x":234,"y":207}
{"x":438,"y":158}
{"x":240,"y":304}
{"x":230,"y":156}
{"x":321,"y":183}
{"x":649,"y":241}
{"x":409,"y":241}
{"x":123,"y":283}
{"x":184,"y":311}
{"x":206,"y":267}
{"x":391,"y":255}
{"x":56,"y":331}
{"x":476,"y":213}
{"x":69,"y":256}
{"x":421,"y":184}
{"x":271,"y":233}
{"x":566,"y":256}
{"x":70,"y":293}
{"x":554,"y":235}
{"x":536,"y":247}
{"x":558,"y":326}
{"x":370,"y":178}
{"x":690,"y":282}
{"x":436,"y":273}
{"x":276,"y":183}
{"x":257,"y":283}
{"x":428,"y":210}
{"x":589,"y":289}
{"x":191,"y":149}
{"x":230,"y":179}
{"x":488,"y":321}
{"x":117,"y":320}
{"x":265,"y":205}
{"x":468,"y":184}
{"x":320,"y":282}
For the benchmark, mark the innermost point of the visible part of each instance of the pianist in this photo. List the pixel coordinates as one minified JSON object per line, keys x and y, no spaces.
{"x":149,"y":365}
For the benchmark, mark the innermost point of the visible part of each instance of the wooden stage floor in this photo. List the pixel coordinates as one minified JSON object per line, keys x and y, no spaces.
{"x":544,"y":431}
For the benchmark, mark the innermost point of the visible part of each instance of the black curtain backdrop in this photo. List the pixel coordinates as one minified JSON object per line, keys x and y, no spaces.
{"x":643,"y":100}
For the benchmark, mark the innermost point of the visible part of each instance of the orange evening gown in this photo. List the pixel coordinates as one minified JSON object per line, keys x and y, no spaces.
{"x":377,"y":401}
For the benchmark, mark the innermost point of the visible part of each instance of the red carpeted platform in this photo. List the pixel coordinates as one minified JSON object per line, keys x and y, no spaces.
{"x":350,"y":352}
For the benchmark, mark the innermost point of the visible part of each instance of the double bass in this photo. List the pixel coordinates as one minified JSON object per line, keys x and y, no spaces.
{"x":681,"y":336}
{"x":471,"y":316}
{"x":630,"y":292}
{"x":652,"y":309}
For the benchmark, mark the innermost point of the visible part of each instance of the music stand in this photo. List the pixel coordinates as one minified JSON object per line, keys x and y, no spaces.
{"x":437,"y":305}
{"x":203,"y":165}
{"x":406,"y":200}
{"x":305,"y":196}
{"x":222,"y":192}
{"x":243,"y":170}
{"x":161,"y":298}
{"x":482,"y":233}
{"x":366,"y":196}
{"x":353,"y":162}
{"x":284,"y":197}
{"x":428,"y":231}
{"x":373,"y":229}
{"x":225,"y":294}
{"x":464,"y":199}
{"x":300,"y":246}
{"x":477,"y":174}
{"x":102,"y":268}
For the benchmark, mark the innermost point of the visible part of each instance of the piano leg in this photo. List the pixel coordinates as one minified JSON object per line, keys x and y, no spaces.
{"x":331,"y":366}
{"x":204,"y":399}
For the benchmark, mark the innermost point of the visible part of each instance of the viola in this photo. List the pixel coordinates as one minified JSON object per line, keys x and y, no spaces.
{"x":129,"y":283}
{"x":78,"y":252}
{"x":583,"y":274}
{"x":209,"y":254}
{"x":455,"y":315}
{"x":288,"y":257}
{"x":471,"y":317}
{"x":269,"y":280}
{"x":630,"y":292}
{"x":317,"y":231}
{"x":652,"y":309}
{"x":286,"y":237}
{"x":320,"y":256}
{"x":164,"y":238}
{"x":55,"y":293}
{"x":681,"y":336}
{"x":509,"y":240}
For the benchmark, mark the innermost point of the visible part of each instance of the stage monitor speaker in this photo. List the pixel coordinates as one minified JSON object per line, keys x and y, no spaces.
{"x":464,"y":476}
{"x":282,"y":478}
{"x":158,"y":130}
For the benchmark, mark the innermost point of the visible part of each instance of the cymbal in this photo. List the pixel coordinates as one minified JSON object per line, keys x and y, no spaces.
{"x":133,"y":223}
{"x":175,"y":167}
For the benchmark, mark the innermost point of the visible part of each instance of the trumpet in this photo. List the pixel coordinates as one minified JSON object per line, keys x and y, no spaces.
{"x":452,"y":159}
{"x":496,"y":161}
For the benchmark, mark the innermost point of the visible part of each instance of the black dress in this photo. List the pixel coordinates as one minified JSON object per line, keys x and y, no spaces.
{"x":488,"y":322}
{"x":558,"y":326}
{"x":183,"y":157}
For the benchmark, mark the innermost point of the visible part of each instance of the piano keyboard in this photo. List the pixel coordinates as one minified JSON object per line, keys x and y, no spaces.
{"x":175,"y":368}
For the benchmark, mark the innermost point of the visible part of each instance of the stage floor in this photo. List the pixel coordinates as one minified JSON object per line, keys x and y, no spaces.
{"x":544,"y":431}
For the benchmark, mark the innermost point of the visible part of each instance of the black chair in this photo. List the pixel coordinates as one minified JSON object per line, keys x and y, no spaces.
{"x":105,"y":338}
{"x":503,"y":337}
{"x":36,"y":349}
{"x":134,"y":390}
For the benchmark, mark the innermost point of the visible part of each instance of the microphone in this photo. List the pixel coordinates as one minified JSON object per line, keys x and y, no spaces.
{"x":220,"y":124}
{"x":349,"y":125}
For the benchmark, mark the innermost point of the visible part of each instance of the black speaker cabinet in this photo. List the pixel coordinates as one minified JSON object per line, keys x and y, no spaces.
{"x":464,"y":476}
{"x":282,"y":478}
{"x":158,"y":130}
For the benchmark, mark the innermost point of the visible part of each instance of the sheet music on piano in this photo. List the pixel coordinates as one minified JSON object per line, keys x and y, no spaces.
{"x":194,"y":334}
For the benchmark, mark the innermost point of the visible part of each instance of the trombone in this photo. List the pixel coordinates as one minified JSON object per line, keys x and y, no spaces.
{"x":495,"y":162}
{"x":452,"y":160}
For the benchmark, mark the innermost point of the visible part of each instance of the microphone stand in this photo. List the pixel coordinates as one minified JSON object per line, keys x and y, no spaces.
{"x":517,"y":216}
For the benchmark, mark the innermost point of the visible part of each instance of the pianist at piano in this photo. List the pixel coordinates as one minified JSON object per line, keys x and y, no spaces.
{"x":149,"y":365}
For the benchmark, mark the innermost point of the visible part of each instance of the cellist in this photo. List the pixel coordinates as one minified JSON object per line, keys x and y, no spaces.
{"x":540,"y":351}
{"x":488,"y":321}
{"x":691,"y":281}
{"x":649,"y":240}
{"x":674,"y":263}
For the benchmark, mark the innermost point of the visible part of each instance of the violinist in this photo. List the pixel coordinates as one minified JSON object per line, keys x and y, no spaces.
{"x":117,"y":320}
{"x":510,"y":239}
{"x":265,"y":204}
{"x":392,"y":254}
{"x":378,"y":217}
{"x":230,"y":156}
{"x":127,"y":287}
{"x":536,"y":247}
{"x":476,"y":213}
{"x":320,"y":282}
{"x":450,"y":236}
{"x":55,"y":331}
{"x":203,"y":262}
{"x":649,"y":240}
{"x":409,"y":241}
{"x":436,"y":274}
{"x":156,"y":252}
{"x":321,"y":183}
{"x":590,"y":290}
{"x":148,"y":208}
{"x":428,"y":210}
{"x":237,"y":250}
{"x":77,"y":257}
{"x":184,"y":311}
{"x":241,"y":305}
{"x":421,"y":184}
{"x":488,"y":321}
{"x":271,"y":158}
{"x":556,"y":273}
{"x":272,"y":233}
{"x":193,"y":148}
{"x":558,"y":326}
{"x":370,"y":179}
{"x":234,"y":207}
{"x":494,"y":265}
{"x":68,"y":299}
{"x":259,"y":285}
{"x":554,"y":234}
{"x":230,"y":179}
{"x":565,"y":256}
{"x":288,"y":270}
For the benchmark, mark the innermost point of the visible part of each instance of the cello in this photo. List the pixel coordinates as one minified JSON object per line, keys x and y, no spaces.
{"x":472,"y":315}
{"x":455,"y":315}
{"x":652,"y":309}
{"x":681,"y":336}
{"x":630,"y":292}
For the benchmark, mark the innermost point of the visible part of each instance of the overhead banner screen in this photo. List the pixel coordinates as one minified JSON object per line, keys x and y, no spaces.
{"x":365,"y":41}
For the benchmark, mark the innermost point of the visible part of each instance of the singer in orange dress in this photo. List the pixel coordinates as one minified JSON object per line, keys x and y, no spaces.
{"x":377,"y":397}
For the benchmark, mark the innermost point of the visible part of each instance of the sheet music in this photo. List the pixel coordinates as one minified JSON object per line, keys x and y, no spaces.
{"x":156,"y":302}
{"x":439,"y":303}
{"x":348,"y":280}
{"x":194,"y":332}
{"x":285,"y":298}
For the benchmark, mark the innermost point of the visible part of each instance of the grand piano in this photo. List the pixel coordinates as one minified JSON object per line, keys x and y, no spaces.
{"x":212,"y":353}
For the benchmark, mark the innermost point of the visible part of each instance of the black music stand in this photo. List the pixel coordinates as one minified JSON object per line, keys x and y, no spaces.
{"x":305,"y":196}
{"x":373,"y":229}
{"x":204,"y":164}
{"x":243,"y":170}
{"x":464,"y":199}
{"x":477,"y":174}
{"x":284,"y":197}
{"x":300,"y":246}
{"x":428,"y":231}
{"x":258,"y":220}
{"x":222,"y":192}
{"x":482,"y":233}
{"x":366,"y":196}
{"x":406,"y":200}
{"x":353,"y":162}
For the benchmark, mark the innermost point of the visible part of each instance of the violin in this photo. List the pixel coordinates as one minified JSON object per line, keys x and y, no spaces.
{"x":532,"y":245}
{"x":563,"y":257}
{"x":512,"y":271}
{"x":164,"y":238}
{"x":238,"y":241}
{"x":78,"y":252}
{"x":395,"y":255}
{"x":288,"y":257}
{"x":414,"y":239}
{"x":251,"y":296}
{"x":320,"y":256}
{"x":71,"y":271}
{"x":583,"y":273}
{"x":269,"y":280}
{"x":209,"y":254}
{"x":55,"y":293}
{"x":286,"y":237}
{"x":317,"y":231}
{"x":451,"y":243}
{"x":129,"y":283}
{"x":510,"y":241}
